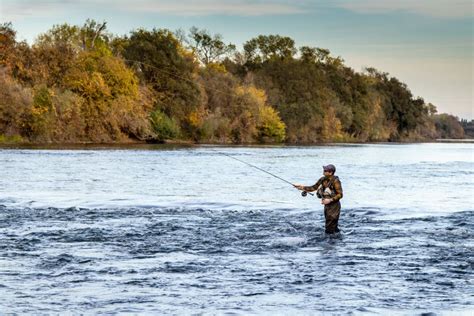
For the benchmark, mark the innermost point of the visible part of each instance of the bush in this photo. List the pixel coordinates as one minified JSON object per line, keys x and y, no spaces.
{"x":14,"y":139}
{"x":216,"y":128}
{"x":163,"y":126}
{"x":270,"y":127}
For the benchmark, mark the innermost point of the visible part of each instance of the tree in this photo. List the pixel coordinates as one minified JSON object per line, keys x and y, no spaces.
{"x":448,"y":126}
{"x":399,"y":105}
{"x":93,"y":35}
{"x":7,"y":43}
{"x":55,"y":53}
{"x":80,"y":83}
{"x":16,"y":57}
{"x":315,"y":55}
{"x":209,"y":49}
{"x":15,"y":102}
{"x":61,"y":35}
{"x":236,"y":113}
{"x":432,"y":110}
{"x":308,"y":54}
{"x":112,"y":107}
{"x":270,"y":128}
{"x":163,"y":64}
{"x":468,"y":127}
{"x":266,"y":47}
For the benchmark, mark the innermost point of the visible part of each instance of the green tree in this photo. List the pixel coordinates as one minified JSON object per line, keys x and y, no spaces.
{"x":399,"y":105}
{"x":55,"y":53}
{"x":162,"y":63}
{"x":209,"y":48}
{"x":266,"y":47}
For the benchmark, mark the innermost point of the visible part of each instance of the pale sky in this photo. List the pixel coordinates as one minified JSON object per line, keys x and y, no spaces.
{"x":428,"y":44}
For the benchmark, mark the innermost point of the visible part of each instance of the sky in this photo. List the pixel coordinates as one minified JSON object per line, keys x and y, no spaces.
{"x":428,"y":44}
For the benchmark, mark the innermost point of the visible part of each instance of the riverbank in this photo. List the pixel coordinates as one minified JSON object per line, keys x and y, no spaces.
{"x":184,"y":144}
{"x":465,"y":140}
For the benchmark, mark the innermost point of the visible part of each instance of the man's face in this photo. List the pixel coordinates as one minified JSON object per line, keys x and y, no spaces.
{"x":327,"y":173}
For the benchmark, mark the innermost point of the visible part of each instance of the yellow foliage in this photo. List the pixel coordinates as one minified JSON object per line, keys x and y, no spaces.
{"x":270,"y":126}
{"x":217,"y":67}
{"x":255,"y":95}
{"x":332,"y":127}
{"x":195,"y":119}
{"x":96,"y":77}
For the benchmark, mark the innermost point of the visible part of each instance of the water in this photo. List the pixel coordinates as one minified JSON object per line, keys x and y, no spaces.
{"x":187,"y":230}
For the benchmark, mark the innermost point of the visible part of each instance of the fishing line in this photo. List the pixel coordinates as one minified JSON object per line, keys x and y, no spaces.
{"x":258,"y":168}
{"x":304,"y":193}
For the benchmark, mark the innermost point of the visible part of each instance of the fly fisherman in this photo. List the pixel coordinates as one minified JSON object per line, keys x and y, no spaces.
{"x":329,"y":190}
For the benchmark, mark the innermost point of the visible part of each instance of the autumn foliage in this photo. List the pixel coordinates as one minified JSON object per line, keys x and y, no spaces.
{"x":83,"y":84}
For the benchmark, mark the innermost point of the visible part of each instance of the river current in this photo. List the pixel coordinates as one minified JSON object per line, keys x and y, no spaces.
{"x":187,"y":230}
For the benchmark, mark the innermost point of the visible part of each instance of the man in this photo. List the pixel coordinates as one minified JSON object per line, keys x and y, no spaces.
{"x":329,"y":189}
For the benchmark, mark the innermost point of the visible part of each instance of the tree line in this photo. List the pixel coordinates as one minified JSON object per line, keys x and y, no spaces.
{"x":84,"y":84}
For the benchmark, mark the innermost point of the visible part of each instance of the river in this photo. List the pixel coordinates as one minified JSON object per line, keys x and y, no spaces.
{"x":182,"y":230}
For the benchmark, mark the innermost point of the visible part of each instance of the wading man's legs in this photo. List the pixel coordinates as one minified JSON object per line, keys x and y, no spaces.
{"x":331,"y":213}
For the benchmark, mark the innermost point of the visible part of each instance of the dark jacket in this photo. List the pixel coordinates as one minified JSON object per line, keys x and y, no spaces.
{"x":332,"y":182}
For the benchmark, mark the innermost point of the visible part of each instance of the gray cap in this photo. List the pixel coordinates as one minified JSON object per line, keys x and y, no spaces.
{"x":330,"y":168}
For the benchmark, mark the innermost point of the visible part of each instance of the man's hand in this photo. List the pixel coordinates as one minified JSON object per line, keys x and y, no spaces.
{"x":299,"y":186}
{"x":326,"y":201}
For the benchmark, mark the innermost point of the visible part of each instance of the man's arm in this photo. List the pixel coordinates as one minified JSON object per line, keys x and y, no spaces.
{"x":315,"y":186}
{"x":312,"y":188}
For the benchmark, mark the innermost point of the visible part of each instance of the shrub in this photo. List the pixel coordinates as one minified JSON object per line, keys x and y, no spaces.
{"x":270,"y":127}
{"x":164,"y":126}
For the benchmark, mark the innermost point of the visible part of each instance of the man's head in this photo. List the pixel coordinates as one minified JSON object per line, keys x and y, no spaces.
{"x":329,"y":170}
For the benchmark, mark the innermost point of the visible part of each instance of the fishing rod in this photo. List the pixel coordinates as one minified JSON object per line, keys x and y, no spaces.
{"x":304,"y":193}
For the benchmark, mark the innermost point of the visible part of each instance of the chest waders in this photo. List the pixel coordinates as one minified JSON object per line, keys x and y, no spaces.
{"x":331,"y":210}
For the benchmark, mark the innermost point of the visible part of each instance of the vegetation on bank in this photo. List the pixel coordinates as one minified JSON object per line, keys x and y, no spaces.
{"x":84,"y":84}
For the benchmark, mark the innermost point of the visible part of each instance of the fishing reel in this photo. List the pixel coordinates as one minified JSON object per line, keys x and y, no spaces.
{"x":305,"y":193}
